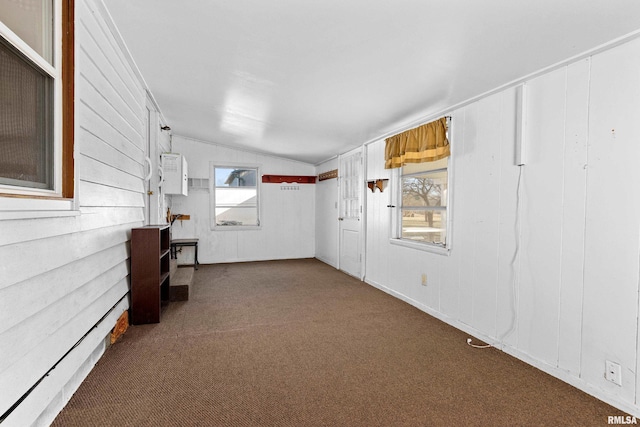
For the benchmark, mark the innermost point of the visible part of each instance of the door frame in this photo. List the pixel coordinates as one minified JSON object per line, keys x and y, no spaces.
{"x":361,"y":222}
{"x":153,"y":189}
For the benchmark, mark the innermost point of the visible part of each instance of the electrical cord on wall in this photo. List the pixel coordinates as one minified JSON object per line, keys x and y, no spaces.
{"x":476,"y":345}
{"x":516,"y":257}
{"x":514,"y":288}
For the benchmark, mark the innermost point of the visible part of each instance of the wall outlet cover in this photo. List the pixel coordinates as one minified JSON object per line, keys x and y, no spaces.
{"x":613,"y":372}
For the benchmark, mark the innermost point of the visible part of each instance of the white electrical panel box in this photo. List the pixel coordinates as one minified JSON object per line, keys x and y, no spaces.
{"x":174,"y":174}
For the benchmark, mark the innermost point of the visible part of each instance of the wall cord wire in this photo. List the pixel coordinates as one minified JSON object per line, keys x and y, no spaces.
{"x":514,"y":282}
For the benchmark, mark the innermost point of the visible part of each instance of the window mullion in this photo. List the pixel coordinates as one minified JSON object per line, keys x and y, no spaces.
{"x":27,"y":51}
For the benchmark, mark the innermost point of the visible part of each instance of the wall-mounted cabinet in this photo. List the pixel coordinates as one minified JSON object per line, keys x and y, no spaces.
{"x":174,"y":174}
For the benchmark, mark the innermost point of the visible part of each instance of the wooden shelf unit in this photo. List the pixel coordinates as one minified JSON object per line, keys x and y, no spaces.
{"x":150,"y":254}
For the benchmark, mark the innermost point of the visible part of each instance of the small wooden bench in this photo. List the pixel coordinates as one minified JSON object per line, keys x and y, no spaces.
{"x":179,"y":243}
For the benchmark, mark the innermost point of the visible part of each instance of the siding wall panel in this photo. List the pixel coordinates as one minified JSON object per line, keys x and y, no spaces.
{"x":65,"y":274}
{"x":34,"y":295}
{"x":567,"y":301}
{"x":506,"y":285}
{"x":573,"y":214}
{"x":96,"y":195}
{"x":612,"y":229}
{"x":542,"y":189}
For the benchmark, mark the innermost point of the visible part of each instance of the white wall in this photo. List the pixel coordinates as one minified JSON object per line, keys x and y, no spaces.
{"x":287,"y":216}
{"x":572,"y":293}
{"x":327,"y":194}
{"x":61,"y":274}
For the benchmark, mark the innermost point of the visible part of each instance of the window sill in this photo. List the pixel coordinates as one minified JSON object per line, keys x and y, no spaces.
{"x":421,"y":246}
{"x":30,"y":208}
{"x":236,"y":227}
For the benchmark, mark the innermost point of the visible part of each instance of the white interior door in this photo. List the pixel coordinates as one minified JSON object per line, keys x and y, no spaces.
{"x":350,"y":219}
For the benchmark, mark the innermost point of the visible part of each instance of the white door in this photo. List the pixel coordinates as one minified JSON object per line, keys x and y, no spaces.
{"x":350,"y":225}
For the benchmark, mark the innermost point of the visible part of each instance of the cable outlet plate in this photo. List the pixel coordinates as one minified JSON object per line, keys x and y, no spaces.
{"x":613,"y":372}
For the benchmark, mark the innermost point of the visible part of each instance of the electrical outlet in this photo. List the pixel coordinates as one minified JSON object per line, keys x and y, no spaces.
{"x":424,"y":279}
{"x":613,"y":372}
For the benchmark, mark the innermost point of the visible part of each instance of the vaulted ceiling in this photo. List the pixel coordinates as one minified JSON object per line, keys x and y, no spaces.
{"x":307,"y":80}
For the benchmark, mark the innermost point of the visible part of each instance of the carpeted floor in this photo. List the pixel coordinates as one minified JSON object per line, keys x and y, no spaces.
{"x":298,"y":343}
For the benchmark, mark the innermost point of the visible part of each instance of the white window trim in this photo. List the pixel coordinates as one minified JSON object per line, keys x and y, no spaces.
{"x":396,"y":202}
{"x":32,"y":199}
{"x":212,"y":196}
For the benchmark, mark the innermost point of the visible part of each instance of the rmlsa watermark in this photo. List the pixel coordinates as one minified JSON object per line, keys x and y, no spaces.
{"x":621,"y":419}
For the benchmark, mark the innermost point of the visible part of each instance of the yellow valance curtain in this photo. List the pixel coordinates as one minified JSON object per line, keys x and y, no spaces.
{"x":426,"y":143}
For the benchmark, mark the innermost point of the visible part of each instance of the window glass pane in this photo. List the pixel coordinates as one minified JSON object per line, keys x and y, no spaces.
{"x":235,"y":177}
{"x":428,"y":189}
{"x":236,"y":216}
{"x":32,"y":21}
{"x":26,"y":122}
{"x":425,"y":166}
{"x":428,"y":226}
{"x":236,"y":197}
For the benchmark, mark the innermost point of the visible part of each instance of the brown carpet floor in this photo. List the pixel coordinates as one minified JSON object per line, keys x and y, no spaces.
{"x":297,"y":343}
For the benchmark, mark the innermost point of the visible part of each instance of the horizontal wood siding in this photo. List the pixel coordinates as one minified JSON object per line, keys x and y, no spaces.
{"x":60,"y":276}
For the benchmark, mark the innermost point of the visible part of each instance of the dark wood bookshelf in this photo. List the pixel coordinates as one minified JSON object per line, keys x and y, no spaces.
{"x":150,"y":253}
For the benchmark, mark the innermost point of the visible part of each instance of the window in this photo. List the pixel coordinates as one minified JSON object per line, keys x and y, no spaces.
{"x":36,"y":95}
{"x":235,"y":197}
{"x":423,"y":203}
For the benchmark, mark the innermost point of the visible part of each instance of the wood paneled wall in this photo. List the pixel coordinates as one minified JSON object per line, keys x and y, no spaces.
{"x":61,"y":275}
{"x":568,"y":300}
{"x":287,"y":217}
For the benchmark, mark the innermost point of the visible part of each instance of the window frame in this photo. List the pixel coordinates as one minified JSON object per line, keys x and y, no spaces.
{"x":16,"y":197}
{"x":212,"y":196}
{"x":396,"y":216}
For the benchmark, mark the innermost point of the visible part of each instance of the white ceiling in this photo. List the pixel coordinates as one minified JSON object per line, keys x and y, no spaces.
{"x":307,"y":80}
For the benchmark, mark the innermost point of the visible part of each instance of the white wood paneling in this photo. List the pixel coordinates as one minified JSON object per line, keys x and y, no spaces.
{"x":76,"y":246}
{"x":54,"y":317}
{"x":99,"y":38}
{"x":97,"y":149}
{"x":542,"y":184}
{"x":91,"y":123}
{"x":573,"y":214}
{"x":58,"y":387}
{"x":60,"y":276}
{"x":94,"y":79}
{"x":110,"y":175}
{"x":466,"y":196}
{"x":377,"y":213}
{"x":287,"y":225}
{"x":486,"y":207}
{"x":612,"y":219}
{"x":508,"y":235}
{"x":31,"y":296}
{"x":547,"y":268}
